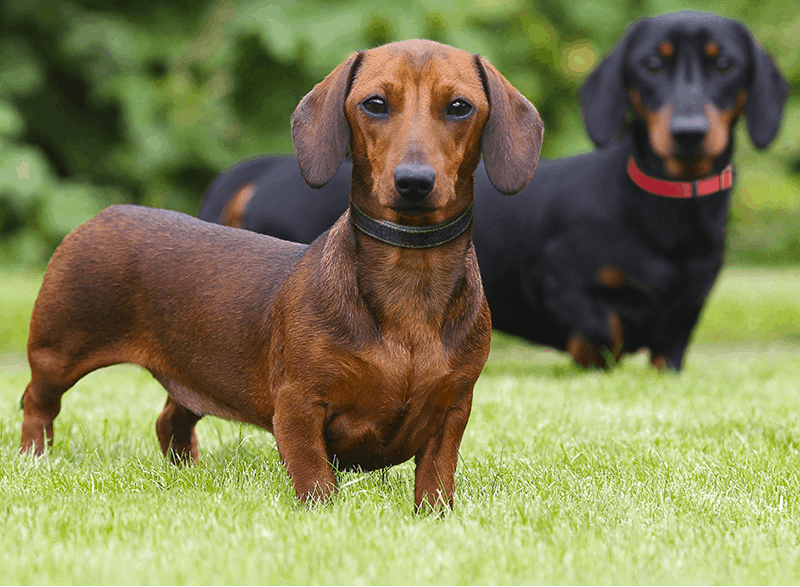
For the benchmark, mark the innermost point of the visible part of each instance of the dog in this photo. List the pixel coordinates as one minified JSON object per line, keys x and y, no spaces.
{"x":617,"y":249}
{"x":360,"y":350}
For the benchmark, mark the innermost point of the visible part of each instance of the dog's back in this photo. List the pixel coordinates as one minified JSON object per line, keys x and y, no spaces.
{"x":130,"y":268}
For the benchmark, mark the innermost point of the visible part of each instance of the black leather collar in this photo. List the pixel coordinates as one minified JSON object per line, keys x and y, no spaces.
{"x":412,"y":237}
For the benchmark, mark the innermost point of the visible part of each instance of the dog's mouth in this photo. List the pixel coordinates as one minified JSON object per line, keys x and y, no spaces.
{"x":688,"y":167}
{"x":415,"y":214}
{"x":689,"y":154}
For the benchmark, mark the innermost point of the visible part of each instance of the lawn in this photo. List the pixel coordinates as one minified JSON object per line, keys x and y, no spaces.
{"x":565,"y":476}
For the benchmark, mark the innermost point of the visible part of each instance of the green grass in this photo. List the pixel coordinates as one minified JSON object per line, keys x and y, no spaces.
{"x":18,"y":290}
{"x":565,"y":477}
{"x":753,"y":304}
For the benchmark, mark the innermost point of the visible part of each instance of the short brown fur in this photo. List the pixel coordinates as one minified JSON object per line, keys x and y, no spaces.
{"x":666,"y":50}
{"x":711,"y":49}
{"x":720,"y":123}
{"x":586,"y":354}
{"x":611,"y":277}
{"x":352,"y":351}
{"x":233,"y":212}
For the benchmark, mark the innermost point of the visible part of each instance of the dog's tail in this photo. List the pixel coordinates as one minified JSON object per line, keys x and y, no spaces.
{"x":225,"y":199}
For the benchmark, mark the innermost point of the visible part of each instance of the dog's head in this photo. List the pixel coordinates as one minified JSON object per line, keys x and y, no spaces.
{"x":687,"y":77}
{"x":416,"y":116}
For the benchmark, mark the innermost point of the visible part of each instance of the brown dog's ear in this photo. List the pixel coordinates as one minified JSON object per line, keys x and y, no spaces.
{"x":320,"y":131}
{"x":512,"y":137}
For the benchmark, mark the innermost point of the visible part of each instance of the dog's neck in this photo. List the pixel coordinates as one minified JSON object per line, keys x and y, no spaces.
{"x":680,"y":189}
{"x":411,"y":237}
{"x":675,"y":227}
{"x":397,"y":282}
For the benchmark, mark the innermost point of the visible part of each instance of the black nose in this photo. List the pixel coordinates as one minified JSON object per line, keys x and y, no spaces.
{"x":414,"y":181}
{"x":689,"y":130}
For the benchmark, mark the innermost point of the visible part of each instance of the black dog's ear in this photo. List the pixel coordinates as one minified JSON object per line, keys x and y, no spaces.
{"x":766,"y":95}
{"x":512,"y":137}
{"x":603,"y":96}
{"x":320,"y":131}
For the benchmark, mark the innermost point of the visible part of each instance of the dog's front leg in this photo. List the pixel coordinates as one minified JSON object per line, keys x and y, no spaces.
{"x":299,"y":432}
{"x":590,"y":325}
{"x":434,"y":478}
{"x":678,"y":313}
{"x":671,"y":334}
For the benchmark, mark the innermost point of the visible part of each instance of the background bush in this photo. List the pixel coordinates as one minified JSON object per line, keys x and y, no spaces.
{"x":104,"y":102}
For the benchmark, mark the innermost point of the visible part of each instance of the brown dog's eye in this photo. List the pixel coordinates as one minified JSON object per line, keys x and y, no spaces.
{"x":375,"y":106}
{"x":654,"y":64}
{"x":459,"y":108}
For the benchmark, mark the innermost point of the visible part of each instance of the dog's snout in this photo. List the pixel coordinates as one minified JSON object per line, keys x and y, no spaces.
{"x":689,"y":130}
{"x":414,"y":181}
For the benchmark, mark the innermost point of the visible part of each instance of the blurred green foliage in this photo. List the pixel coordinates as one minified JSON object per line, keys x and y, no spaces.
{"x":104,"y":102}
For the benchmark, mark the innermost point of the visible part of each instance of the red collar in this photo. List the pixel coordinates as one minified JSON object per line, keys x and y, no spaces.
{"x":681,"y":189}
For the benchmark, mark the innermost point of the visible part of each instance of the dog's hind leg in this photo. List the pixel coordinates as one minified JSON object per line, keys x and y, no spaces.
{"x":41,"y":403}
{"x":52,"y":374}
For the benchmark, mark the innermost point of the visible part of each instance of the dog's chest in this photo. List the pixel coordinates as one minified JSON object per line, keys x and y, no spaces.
{"x":382,"y":413}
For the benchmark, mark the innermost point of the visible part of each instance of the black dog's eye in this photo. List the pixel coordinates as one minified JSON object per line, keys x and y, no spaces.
{"x":459,"y":108}
{"x":654,"y":64}
{"x":375,"y":106}
{"x":723,"y":65}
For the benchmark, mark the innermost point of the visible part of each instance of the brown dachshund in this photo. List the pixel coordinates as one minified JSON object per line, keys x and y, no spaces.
{"x":360,"y":350}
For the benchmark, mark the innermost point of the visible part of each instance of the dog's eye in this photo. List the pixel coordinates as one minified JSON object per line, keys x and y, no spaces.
{"x":654,"y":64}
{"x":375,"y":105}
{"x":459,"y":108}
{"x":723,"y":65}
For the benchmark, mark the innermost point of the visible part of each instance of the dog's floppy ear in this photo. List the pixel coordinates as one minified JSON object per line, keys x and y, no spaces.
{"x":603,"y":97}
{"x":320,"y":131}
{"x":766,"y":95}
{"x":512,"y":137}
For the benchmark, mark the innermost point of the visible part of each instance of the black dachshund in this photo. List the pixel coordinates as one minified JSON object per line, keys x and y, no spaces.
{"x":617,"y":249}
